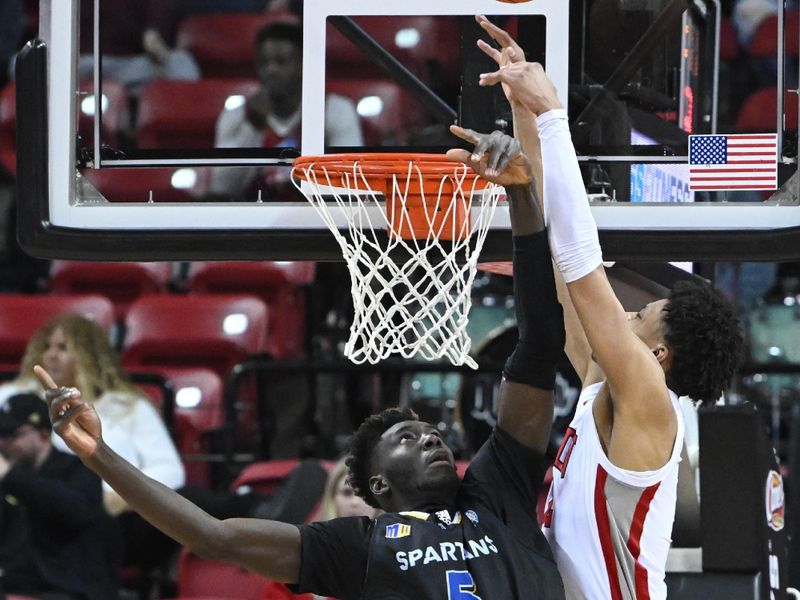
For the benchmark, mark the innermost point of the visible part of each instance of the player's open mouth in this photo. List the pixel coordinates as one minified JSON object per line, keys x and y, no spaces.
{"x":440,"y":457}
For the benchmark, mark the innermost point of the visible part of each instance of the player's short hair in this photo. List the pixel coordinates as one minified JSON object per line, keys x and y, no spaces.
{"x":359,"y":459}
{"x":284,"y":30}
{"x":705,"y":336}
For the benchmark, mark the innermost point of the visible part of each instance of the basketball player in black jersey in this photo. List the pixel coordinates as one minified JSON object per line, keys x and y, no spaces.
{"x":439,"y":538}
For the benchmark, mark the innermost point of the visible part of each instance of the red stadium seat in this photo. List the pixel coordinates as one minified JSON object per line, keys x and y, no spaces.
{"x":198,"y":577}
{"x":116,"y":112}
{"x":21,"y":316}
{"x":199,"y":412}
{"x":765,"y":40}
{"x":136,"y":185}
{"x":115,"y":118}
{"x":183,"y":114}
{"x":728,"y":41}
{"x":758,"y":113}
{"x":224,"y":44}
{"x":277,"y":283}
{"x":210,"y":331}
{"x":387,"y":112}
{"x":120,"y":282}
{"x":264,"y":477}
{"x":416,"y":41}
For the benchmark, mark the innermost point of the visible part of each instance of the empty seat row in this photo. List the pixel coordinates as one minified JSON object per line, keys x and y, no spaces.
{"x":281,"y":285}
{"x":224,"y":44}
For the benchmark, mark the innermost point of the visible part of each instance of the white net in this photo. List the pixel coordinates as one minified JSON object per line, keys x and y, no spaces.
{"x":411,"y":292}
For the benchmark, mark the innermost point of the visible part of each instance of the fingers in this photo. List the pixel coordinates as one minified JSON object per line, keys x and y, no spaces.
{"x":481,"y":141}
{"x":501,"y":36}
{"x":494,"y":78}
{"x":44,"y":378}
{"x":491,"y":52}
{"x":465,"y":134}
{"x":460,"y":155}
{"x":491,"y":155}
{"x":64,"y":404}
{"x":503,"y":148}
{"x":512,"y":150}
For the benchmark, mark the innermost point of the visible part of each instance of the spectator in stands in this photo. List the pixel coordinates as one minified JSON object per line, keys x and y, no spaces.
{"x":76,"y":350}
{"x":271,"y":117}
{"x":135,"y":37}
{"x":339,"y":499}
{"x":748,"y":16}
{"x":53,"y":532}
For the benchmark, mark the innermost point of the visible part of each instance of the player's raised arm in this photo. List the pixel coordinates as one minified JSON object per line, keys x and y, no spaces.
{"x":267,"y":547}
{"x":526,"y":394}
{"x":633,"y":372}
{"x":526,"y":132}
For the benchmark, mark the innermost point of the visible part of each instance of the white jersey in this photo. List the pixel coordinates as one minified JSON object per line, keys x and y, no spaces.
{"x":609,"y":528}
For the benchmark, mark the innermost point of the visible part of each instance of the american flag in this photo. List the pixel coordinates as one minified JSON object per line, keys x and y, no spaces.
{"x":733,"y":162}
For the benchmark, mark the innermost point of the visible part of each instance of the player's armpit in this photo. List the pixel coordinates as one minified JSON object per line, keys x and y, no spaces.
{"x":633,"y":372}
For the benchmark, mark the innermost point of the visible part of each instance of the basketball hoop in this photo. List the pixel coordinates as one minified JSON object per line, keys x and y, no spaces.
{"x":411,"y":228}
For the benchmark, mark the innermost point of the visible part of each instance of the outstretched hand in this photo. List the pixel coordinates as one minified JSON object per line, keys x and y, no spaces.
{"x":72,"y":418}
{"x":524,"y":83}
{"x":496,"y":157}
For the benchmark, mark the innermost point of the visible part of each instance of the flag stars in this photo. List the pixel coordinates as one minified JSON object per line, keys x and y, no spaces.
{"x":708,"y":150}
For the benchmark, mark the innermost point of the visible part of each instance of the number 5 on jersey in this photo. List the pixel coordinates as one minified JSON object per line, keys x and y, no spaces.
{"x":461,"y":586}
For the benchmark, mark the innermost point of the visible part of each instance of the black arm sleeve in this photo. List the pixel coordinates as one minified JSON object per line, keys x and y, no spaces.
{"x":540,"y":319}
{"x":334,"y":557}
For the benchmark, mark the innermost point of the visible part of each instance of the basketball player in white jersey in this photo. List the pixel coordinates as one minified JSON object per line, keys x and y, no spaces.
{"x":611,"y":506}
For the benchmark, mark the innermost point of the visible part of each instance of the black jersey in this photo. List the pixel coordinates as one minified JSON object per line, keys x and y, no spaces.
{"x":487,"y":546}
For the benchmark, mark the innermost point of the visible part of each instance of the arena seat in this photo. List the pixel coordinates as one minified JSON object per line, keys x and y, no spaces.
{"x":199,"y":577}
{"x":21,"y":315}
{"x":758,"y":113}
{"x":765,"y":40}
{"x":199,"y":413}
{"x":120,"y":282}
{"x":223,"y":44}
{"x":199,"y":331}
{"x":728,"y":40}
{"x":115,"y":118}
{"x":427,"y":46}
{"x":386,"y":111}
{"x":135,"y":185}
{"x":264,"y":477}
{"x":183,"y":114}
{"x":116,"y":112}
{"x":279,"y":284}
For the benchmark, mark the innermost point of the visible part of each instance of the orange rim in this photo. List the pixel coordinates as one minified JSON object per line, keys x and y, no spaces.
{"x":395,"y":163}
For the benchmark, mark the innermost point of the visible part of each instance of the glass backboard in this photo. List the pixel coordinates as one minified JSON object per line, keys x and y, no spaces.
{"x":186,"y":162}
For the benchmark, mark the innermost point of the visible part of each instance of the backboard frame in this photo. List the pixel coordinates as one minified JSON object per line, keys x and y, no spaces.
{"x":53,"y":225}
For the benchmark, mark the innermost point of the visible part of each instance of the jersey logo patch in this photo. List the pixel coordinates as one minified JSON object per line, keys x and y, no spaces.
{"x":397,"y":530}
{"x":472,"y":516}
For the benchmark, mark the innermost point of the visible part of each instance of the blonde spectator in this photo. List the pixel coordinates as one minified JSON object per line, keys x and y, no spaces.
{"x":339,"y":500}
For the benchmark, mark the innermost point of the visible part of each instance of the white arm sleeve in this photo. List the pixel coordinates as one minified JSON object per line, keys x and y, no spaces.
{"x":571,"y":228}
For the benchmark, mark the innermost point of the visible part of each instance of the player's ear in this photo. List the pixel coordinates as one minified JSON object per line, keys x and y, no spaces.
{"x":663,"y":354}
{"x":378,"y":485}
